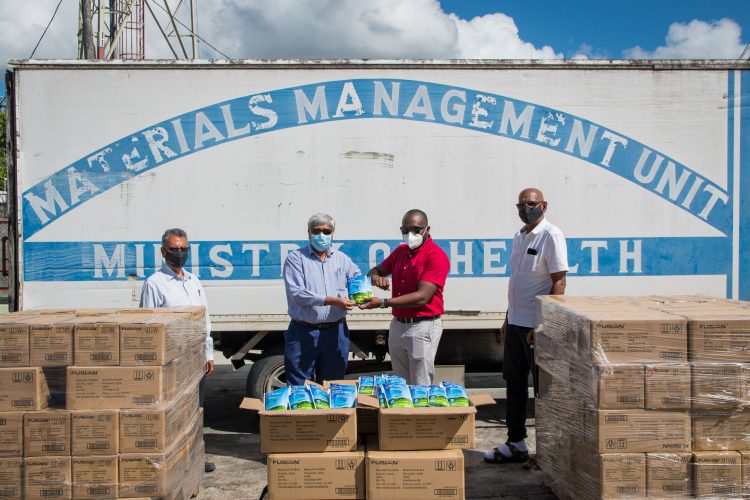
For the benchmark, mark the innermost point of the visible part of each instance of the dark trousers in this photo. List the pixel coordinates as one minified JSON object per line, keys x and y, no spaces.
{"x":517,"y":364}
{"x":313,"y":354}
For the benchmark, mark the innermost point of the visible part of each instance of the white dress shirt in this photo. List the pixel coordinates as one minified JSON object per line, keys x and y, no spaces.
{"x":165,"y":289}
{"x":535,"y":255}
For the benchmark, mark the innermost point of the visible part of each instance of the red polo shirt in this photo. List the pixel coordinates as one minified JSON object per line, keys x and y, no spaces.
{"x":408,"y":267}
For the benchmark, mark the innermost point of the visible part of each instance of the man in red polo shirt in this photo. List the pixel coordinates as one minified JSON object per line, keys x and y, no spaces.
{"x":419,"y":268}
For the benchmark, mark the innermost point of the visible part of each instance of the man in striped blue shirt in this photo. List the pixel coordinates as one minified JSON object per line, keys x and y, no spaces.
{"x":317,"y":340}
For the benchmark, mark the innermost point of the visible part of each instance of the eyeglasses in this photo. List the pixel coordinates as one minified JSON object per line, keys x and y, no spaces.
{"x":412,"y":229}
{"x":177,"y":249}
{"x":528,"y":204}
{"x":317,"y":230}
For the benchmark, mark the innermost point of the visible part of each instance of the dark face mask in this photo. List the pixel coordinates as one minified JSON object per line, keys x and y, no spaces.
{"x":176,"y":259}
{"x":531,"y":215}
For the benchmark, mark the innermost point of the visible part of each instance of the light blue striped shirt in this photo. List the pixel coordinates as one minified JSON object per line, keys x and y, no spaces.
{"x":165,"y":289}
{"x":309,"y":281}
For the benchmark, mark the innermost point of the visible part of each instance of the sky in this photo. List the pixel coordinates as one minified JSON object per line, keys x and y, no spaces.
{"x":472,"y":29}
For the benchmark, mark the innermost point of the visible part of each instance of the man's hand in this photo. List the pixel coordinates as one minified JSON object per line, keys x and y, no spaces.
{"x":210,"y":367}
{"x":371,"y":303}
{"x":530,"y":338}
{"x":343,"y":303}
{"x":381,"y":282}
{"x":501,"y":334}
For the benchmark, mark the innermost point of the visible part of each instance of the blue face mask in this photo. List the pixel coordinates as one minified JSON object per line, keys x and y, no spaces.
{"x":321,"y":242}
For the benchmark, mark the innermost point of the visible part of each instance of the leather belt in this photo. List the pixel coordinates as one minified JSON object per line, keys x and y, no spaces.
{"x":319,"y":326}
{"x":417,"y":319}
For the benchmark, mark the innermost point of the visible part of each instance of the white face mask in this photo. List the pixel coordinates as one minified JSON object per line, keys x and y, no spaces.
{"x":413,"y":240}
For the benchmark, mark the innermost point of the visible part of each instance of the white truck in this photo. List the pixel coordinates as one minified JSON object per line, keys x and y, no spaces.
{"x":645,"y":165}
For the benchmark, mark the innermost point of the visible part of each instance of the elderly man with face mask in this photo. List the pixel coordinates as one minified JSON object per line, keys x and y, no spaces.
{"x":419,"y":269}
{"x":316,"y":344}
{"x":538,"y":265}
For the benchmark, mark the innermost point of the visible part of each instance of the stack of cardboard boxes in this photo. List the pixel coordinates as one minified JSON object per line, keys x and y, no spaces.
{"x":367,"y":452}
{"x":101,"y":403}
{"x":644,"y":396}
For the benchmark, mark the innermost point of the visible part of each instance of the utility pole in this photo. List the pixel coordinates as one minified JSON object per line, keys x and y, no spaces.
{"x":86,"y":30}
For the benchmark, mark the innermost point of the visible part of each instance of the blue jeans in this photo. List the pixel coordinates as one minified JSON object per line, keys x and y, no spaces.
{"x":313,"y":354}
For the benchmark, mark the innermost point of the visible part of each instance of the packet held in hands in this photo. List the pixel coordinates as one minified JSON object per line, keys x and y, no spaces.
{"x":437,"y":396}
{"x":343,"y":396}
{"x":360,"y":288}
{"x":319,"y":397}
{"x":277,"y":399}
{"x":456,"y":395}
{"x":420,"y":395}
{"x":300,"y":398}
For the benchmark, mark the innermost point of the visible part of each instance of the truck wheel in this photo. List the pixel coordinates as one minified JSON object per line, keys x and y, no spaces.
{"x":265,"y":375}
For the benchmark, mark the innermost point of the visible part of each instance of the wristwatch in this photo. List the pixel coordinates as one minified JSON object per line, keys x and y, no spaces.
{"x":384,"y":303}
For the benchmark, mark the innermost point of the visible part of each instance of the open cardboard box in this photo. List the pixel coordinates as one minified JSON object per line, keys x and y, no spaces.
{"x":427,"y":428}
{"x":297,"y":431}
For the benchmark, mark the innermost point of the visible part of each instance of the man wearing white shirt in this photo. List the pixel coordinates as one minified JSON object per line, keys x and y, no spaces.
{"x":538,"y":265}
{"x":172,"y":286}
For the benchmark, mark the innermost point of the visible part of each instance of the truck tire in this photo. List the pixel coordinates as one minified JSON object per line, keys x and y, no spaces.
{"x":265,"y":375}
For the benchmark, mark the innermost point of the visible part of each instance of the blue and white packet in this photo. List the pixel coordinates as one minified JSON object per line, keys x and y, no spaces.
{"x":390,"y":379}
{"x":319,"y":397}
{"x":382,"y":401}
{"x":437,"y":396}
{"x":366,"y":384}
{"x":300,"y":398}
{"x":456,"y":395}
{"x":398,"y":395}
{"x":420,"y":395}
{"x":276,"y":400}
{"x":343,"y":396}
{"x":360,"y":288}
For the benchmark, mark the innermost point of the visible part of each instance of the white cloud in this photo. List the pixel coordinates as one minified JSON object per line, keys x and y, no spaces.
{"x":495,"y":36}
{"x":696,"y":40}
{"x":290,"y":29}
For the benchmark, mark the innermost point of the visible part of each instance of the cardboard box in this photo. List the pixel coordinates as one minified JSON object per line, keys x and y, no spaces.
{"x":157,"y":339}
{"x":312,"y":476}
{"x":11,"y":434}
{"x":623,"y":475}
{"x":745,"y":455}
{"x":746,"y":385}
{"x":94,"y":432}
{"x":668,"y":475}
{"x":11,"y":477}
{"x":668,"y":386}
{"x":96,"y":341}
{"x":153,"y":430}
{"x":14,"y":342}
{"x":717,"y":385}
{"x":47,"y":477}
{"x":408,"y":475}
{"x":721,"y":430}
{"x":51,"y":340}
{"x":641,"y":431}
{"x":23,"y":389}
{"x":717,"y":474}
{"x":429,"y":428}
{"x":46,"y":433}
{"x":95,"y":477}
{"x":615,"y":331}
{"x":195,"y":313}
{"x":161,"y":474}
{"x":304,"y":431}
{"x":719,"y":337}
{"x":105,"y":387}
{"x":620,"y":387}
